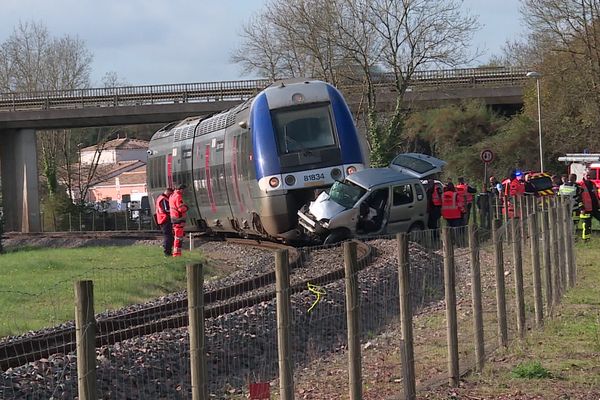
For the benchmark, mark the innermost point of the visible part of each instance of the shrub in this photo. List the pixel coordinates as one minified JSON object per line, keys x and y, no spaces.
{"x":531,"y":370}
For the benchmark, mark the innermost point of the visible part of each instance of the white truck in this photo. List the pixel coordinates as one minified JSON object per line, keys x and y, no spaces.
{"x":579,"y":163}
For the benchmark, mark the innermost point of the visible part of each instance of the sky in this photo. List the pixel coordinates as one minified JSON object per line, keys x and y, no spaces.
{"x":182,"y":41}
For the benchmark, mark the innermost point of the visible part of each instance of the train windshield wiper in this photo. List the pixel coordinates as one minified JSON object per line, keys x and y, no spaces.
{"x":298,"y":144}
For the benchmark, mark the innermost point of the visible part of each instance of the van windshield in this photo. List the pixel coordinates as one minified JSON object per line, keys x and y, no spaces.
{"x":346,"y":194}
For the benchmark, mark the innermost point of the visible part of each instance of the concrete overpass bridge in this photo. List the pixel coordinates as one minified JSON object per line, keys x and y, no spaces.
{"x":21,"y":114}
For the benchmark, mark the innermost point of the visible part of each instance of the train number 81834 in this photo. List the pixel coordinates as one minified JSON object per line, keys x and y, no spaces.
{"x":314,"y":177}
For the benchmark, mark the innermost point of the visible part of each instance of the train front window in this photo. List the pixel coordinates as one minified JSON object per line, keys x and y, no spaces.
{"x":303,"y":130}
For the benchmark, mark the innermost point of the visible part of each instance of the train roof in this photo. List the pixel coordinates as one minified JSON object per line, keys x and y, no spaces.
{"x":371,"y":177}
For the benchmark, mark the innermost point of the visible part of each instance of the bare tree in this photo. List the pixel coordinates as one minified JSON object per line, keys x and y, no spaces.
{"x":565,"y":48}
{"x":32,"y":60}
{"x":112,"y":79}
{"x":355,"y":41}
{"x":573,"y":29}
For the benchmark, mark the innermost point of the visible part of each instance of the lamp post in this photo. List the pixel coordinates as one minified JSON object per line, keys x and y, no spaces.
{"x":537,"y":76}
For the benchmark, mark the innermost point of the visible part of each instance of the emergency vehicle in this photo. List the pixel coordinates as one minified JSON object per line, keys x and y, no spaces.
{"x":580,"y":163}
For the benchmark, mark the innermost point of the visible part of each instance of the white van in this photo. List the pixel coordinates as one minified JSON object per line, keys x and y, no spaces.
{"x":373,"y":201}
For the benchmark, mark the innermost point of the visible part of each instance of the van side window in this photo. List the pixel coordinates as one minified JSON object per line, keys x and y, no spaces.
{"x":420,"y":192}
{"x":402,"y":194}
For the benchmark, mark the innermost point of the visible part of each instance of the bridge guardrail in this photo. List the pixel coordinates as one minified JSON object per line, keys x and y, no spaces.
{"x":232,"y":90}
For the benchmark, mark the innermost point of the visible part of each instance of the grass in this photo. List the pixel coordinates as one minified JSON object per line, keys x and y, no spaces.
{"x":566,"y":353}
{"x":36,"y":285}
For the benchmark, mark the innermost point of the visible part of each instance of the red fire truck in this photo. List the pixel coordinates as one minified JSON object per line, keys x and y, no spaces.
{"x":579,"y":163}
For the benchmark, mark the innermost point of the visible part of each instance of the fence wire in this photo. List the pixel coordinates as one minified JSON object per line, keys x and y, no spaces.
{"x":143,"y":346}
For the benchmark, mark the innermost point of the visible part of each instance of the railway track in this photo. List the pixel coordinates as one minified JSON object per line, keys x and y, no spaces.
{"x":156,"y":318}
{"x":137,"y":235}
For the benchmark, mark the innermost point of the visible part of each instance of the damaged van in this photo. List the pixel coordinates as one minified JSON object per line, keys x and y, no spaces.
{"x":373,"y":201}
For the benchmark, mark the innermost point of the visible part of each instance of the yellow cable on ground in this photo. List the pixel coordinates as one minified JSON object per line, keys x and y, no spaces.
{"x":317,"y":291}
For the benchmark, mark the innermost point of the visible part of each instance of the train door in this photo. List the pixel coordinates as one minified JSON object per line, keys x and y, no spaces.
{"x":170,"y":170}
{"x":236,"y":170}
{"x":181,"y":173}
{"x":210,"y":180}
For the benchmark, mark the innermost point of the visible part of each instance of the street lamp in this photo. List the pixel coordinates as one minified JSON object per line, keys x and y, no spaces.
{"x":537,"y":76}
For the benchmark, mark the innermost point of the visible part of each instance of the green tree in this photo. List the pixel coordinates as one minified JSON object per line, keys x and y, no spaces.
{"x":458,"y":134}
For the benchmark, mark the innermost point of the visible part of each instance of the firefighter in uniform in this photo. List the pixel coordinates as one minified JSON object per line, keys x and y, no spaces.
{"x":573,"y":191}
{"x":178,"y":209}
{"x":163,"y":219}
{"x":590,"y":207}
{"x":463,"y":189}
{"x":434,"y":204}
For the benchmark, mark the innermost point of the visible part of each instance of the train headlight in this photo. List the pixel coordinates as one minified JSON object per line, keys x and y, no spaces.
{"x":273,"y":182}
{"x":290,"y":180}
{"x":297,"y":98}
{"x":336,"y":174}
{"x":350,"y":170}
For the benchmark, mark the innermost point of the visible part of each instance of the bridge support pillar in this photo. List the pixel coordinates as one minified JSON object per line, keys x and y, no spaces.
{"x":20,"y":192}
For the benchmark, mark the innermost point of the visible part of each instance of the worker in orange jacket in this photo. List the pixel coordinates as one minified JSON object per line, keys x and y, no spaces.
{"x":513,"y":188}
{"x":452,"y":206}
{"x":434,"y":204}
{"x":178,"y":210}
{"x":163,"y":220}
{"x":466,"y":191}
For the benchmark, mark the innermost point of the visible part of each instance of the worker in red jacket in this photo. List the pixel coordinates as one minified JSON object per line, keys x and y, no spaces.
{"x":466,"y":191}
{"x":178,"y":210}
{"x":590,"y":207}
{"x":434,"y":204}
{"x":163,"y":220}
{"x":513,"y":188}
{"x":452,"y":206}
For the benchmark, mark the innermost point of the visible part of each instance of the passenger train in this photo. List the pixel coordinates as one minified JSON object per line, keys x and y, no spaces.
{"x":249,"y":169}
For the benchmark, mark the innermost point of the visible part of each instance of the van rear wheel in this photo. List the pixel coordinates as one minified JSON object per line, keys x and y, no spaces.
{"x":417,"y":226}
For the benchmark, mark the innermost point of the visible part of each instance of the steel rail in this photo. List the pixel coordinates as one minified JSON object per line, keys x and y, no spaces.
{"x":156,"y":318}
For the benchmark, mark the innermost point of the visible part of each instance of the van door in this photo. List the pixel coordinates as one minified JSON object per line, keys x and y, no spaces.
{"x":402,"y":208}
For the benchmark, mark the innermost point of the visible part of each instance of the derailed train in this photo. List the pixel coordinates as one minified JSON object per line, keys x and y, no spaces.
{"x":252,"y":167}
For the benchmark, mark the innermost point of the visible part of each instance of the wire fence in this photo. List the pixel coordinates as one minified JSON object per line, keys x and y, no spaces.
{"x":378,"y":318}
{"x":97,"y":221}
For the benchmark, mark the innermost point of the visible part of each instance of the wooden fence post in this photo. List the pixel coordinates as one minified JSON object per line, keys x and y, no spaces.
{"x":353,"y":318}
{"x":450,"y":296}
{"x":535,"y":264}
{"x":518,"y":270}
{"x":562,"y":254}
{"x":198,"y":368}
{"x":282,"y":282}
{"x":522,"y":216}
{"x":546,"y":260}
{"x":570,"y":247}
{"x":500,"y":285}
{"x":85,"y":337}
{"x":408,"y":359}
{"x":566,"y":235}
{"x":554,"y":255}
{"x":476,"y":298}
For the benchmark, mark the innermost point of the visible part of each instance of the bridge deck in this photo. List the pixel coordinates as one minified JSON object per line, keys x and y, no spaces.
{"x":237,"y":90}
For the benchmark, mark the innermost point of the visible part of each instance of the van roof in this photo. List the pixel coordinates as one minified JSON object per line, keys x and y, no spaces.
{"x":370,"y":177}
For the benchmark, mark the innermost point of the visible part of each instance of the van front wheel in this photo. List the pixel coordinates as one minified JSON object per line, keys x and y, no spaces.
{"x":336,"y":236}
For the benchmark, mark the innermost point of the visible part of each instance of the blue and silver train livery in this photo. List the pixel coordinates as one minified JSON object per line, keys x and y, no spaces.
{"x":254,"y":166}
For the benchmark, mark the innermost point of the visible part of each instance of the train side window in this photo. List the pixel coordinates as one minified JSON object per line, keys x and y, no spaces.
{"x":161,"y":171}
